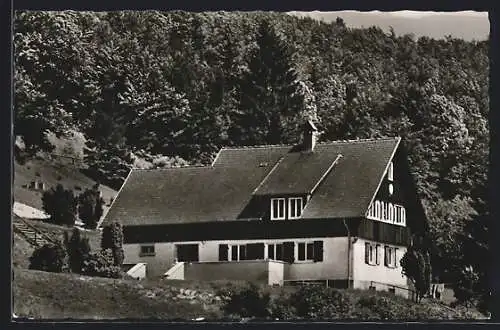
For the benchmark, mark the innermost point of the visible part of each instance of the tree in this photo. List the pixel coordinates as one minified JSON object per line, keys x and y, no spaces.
{"x":270,"y":101}
{"x":417,"y":267}
{"x":78,"y":249}
{"x":112,"y":238}
{"x":61,"y":205}
{"x":49,"y":258}
{"x":90,"y":206}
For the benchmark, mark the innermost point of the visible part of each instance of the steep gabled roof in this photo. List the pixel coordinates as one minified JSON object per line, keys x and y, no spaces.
{"x":348,"y":190}
{"x":184,"y":195}
{"x":345,"y":174}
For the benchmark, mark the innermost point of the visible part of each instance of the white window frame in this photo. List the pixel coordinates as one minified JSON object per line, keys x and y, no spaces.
{"x":391,"y":252}
{"x":307,"y":258}
{"x":298,"y":211}
{"x":279,"y":201}
{"x":373,"y":255}
{"x":390,"y":172}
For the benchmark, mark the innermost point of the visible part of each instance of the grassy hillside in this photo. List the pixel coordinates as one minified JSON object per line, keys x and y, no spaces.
{"x":61,"y":296}
{"x":65,"y":296}
{"x":51,"y":172}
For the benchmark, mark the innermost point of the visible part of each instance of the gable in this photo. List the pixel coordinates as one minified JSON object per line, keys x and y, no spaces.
{"x":347,"y":191}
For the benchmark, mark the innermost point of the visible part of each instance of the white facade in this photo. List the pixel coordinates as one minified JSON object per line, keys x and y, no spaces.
{"x":379,"y":276}
{"x":334,"y":264}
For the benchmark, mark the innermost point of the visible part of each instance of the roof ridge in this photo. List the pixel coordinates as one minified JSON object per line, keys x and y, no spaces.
{"x":260,"y":146}
{"x":171,"y":168}
{"x":361,"y":140}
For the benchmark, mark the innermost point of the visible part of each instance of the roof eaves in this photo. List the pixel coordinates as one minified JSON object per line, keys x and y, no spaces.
{"x":381,"y":179}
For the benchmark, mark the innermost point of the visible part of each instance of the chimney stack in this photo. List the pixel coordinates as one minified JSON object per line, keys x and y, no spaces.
{"x":309,"y":136}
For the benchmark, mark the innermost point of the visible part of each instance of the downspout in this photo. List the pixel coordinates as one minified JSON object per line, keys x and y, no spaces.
{"x":348,"y":254}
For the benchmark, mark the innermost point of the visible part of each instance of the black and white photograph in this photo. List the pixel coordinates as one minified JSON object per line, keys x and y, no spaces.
{"x":250,"y":166}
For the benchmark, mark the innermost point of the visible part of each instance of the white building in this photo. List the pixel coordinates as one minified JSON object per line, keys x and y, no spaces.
{"x":339,"y":212}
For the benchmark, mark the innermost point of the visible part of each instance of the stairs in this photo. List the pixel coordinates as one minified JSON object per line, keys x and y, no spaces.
{"x":30,"y":233}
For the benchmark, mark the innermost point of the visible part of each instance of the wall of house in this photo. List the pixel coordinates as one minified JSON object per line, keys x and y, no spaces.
{"x":248,"y":270}
{"x":378,"y":276}
{"x":333,"y":266}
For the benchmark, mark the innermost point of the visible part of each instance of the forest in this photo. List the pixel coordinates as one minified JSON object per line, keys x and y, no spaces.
{"x":174,"y":87}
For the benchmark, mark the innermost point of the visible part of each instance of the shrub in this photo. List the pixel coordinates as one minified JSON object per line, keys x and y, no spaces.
{"x":282,"y":309}
{"x":61,"y":205}
{"x":101,"y":264}
{"x":78,"y":249}
{"x":381,"y":307}
{"x":90,"y":207}
{"x":248,"y":302}
{"x":49,"y":258}
{"x":416,"y":266}
{"x":318,"y":302}
{"x":112,"y":238}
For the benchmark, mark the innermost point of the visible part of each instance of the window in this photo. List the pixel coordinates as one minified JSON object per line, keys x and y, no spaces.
{"x":255,"y":251}
{"x":294,"y":207}
{"x":288,"y":252}
{"x":147,"y":251}
{"x":277,"y":208}
{"x":223,"y":252}
{"x":390,"y":257}
{"x":390,"y":172}
{"x":377,"y":210}
{"x":372,"y":254}
{"x":391,"y":212}
{"x":302,"y":252}
{"x":187,"y":252}
{"x":310,"y":251}
{"x":234,"y":253}
{"x":275,"y":251}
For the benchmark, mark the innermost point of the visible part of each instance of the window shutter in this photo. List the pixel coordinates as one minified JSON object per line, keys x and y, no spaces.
{"x":377,"y":258}
{"x":386,"y":257}
{"x":223,"y":252}
{"x":367,"y":253}
{"x":318,"y":251}
{"x":288,"y":252}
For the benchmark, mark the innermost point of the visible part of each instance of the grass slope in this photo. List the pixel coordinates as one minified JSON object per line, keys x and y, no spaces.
{"x":44,"y":295}
{"x":51,"y":172}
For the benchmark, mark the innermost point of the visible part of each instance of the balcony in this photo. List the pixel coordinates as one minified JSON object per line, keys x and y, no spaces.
{"x":387,"y":212}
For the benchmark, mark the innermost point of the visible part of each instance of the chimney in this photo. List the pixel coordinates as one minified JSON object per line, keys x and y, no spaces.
{"x":309,"y":136}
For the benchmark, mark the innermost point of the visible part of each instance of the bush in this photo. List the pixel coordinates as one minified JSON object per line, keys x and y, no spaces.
{"x":112,"y":238}
{"x":249,"y":302}
{"x":78,"y":249}
{"x":380,"y":308}
{"x":90,"y":207}
{"x":318,"y":302}
{"x":49,"y":258}
{"x":61,"y":205}
{"x":101,"y":264}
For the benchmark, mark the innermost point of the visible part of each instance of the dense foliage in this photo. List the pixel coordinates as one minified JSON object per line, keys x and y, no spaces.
{"x":78,"y":249}
{"x":50,"y":258}
{"x":112,"y":239}
{"x":61,"y":204}
{"x":416,"y":265}
{"x":180,"y":85}
{"x":90,"y":206}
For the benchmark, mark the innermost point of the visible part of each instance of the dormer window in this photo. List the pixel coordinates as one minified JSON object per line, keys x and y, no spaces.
{"x":295,"y":207}
{"x":278,"y":209}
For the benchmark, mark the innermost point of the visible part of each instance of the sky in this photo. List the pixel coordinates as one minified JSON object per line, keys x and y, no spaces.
{"x":467,"y":25}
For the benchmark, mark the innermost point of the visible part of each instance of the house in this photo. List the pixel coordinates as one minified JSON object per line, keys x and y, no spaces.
{"x":340,"y":213}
